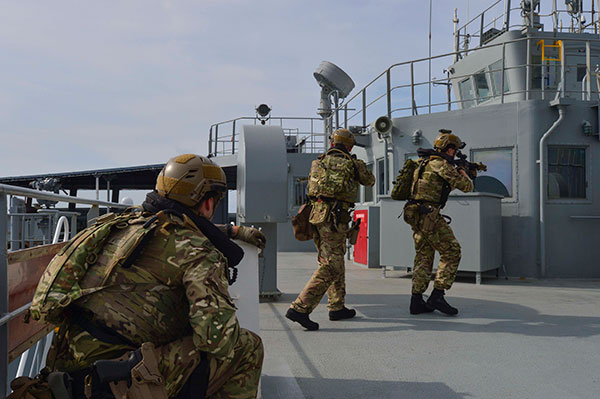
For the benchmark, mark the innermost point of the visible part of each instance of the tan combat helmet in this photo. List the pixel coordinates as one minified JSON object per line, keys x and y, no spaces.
{"x":343,"y":136}
{"x":446,"y":138}
{"x":188,"y":177}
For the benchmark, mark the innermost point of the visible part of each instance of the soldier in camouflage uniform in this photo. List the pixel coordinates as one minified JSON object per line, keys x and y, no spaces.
{"x":173,"y":295}
{"x":433,"y":180}
{"x":332,"y":188}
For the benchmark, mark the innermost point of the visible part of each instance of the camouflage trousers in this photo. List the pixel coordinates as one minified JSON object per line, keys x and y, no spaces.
{"x":330,"y":275}
{"x":235,"y":377}
{"x":441,"y":239}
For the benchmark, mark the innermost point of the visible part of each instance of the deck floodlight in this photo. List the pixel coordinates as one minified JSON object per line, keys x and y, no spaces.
{"x":263,"y":113}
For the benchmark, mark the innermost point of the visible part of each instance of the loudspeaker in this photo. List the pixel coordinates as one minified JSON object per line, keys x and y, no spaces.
{"x":383,"y":125}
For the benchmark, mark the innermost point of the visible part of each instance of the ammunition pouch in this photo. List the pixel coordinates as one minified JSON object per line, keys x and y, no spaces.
{"x":411,"y":213}
{"x":421,"y":215}
{"x":320,"y":212}
{"x":428,"y":217}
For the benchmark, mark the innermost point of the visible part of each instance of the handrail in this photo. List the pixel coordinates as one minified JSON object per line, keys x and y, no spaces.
{"x":11,"y":315}
{"x":312,"y":140}
{"x":62,"y":221}
{"x":475,"y":27}
{"x":27,"y":192}
{"x":379,"y":79}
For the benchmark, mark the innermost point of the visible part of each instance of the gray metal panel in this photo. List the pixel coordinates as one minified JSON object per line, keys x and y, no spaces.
{"x":298,"y":167}
{"x":572,"y":249}
{"x":286,"y":242}
{"x":476,"y":222}
{"x":262,"y":175}
{"x":267,"y":261}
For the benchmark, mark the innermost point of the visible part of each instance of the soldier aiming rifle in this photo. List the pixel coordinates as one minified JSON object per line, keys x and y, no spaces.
{"x":434,"y":176}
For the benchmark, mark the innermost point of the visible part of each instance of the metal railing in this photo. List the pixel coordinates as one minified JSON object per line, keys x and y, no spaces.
{"x":31,"y":229}
{"x":36,"y":358}
{"x":5,"y":315}
{"x":505,"y":15}
{"x":385,"y":96}
{"x":308,"y":132}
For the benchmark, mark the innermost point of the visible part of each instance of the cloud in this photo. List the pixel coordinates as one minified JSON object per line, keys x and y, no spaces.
{"x":107,"y":84}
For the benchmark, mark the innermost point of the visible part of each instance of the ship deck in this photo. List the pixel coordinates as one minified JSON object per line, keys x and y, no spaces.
{"x":512,"y":339}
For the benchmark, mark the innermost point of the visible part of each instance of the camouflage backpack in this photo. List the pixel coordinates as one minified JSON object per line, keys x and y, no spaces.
{"x":59,"y":285}
{"x":332,"y":176}
{"x":403,"y":184}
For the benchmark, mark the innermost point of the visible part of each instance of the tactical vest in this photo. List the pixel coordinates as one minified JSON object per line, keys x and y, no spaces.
{"x":427,"y":185}
{"x":333,"y":176}
{"x":60,"y":285}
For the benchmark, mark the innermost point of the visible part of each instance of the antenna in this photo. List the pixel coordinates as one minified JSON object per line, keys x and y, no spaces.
{"x":334,"y":83}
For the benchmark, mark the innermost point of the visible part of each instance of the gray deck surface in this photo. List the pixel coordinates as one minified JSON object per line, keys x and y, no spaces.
{"x":511,"y":339}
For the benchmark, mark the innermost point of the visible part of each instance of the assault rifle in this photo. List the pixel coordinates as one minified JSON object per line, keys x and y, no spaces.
{"x":460,"y":162}
{"x":470,"y":167}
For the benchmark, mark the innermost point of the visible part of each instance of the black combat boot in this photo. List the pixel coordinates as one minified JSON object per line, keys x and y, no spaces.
{"x":302,"y":319}
{"x":343,"y":313}
{"x":418,"y":305}
{"x":436,"y":301}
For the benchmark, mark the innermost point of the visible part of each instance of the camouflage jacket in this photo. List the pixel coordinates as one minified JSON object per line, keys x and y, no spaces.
{"x":437,"y":173}
{"x":177,"y":286}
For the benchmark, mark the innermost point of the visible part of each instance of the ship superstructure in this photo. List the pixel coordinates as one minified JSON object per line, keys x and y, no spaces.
{"x":521,"y":88}
{"x":525,"y":100}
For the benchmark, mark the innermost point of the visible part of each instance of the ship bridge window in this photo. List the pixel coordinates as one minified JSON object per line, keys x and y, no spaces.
{"x":466,"y":93}
{"x":496,"y":72}
{"x":498,"y":178}
{"x":481,"y":86}
{"x":566,"y":172}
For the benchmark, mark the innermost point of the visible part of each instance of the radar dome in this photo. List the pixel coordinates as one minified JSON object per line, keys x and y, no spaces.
{"x":330,"y":76}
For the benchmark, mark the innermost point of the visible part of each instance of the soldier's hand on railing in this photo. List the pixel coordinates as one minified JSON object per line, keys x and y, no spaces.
{"x":251,"y":235}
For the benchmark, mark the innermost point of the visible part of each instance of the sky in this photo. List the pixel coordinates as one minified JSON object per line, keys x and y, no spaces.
{"x":86,"y":85}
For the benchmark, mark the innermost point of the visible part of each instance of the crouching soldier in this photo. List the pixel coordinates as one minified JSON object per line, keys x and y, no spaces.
{"x":150,"y":287}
